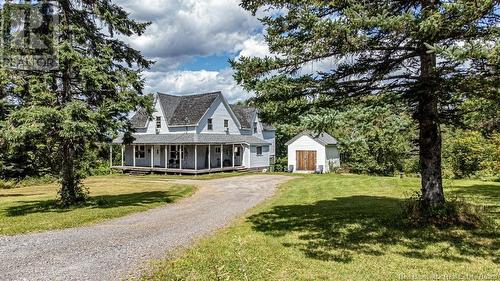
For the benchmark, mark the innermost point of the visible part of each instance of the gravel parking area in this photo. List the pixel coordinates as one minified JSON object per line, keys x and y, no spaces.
{"x":117,"y":248}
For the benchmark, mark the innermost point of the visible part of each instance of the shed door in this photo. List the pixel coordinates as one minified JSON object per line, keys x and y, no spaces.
{"x":306,"y":160}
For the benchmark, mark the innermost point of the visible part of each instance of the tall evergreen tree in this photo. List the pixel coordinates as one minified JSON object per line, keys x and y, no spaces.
{"x":59,"y":113}
{"x":432,"y":54}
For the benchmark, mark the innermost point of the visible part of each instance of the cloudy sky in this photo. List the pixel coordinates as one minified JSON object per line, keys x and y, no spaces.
{"x":191,"y":42}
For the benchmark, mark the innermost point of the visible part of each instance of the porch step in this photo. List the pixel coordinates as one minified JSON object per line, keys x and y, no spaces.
{"x":138,"y":172}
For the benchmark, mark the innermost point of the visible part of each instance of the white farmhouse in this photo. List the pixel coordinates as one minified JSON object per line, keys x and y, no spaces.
{"x":309,"y":152}
{"x":197,"y":134}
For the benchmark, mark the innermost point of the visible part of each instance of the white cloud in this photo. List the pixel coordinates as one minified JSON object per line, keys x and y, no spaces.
{"x":182,"y":29}
{"x":190,"y":82}
{"x":254,"y":46}
{"x":191,"y":27}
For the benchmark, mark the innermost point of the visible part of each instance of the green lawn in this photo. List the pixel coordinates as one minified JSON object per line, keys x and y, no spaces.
{"x":33,"y":208}
{"x":343,"y":227}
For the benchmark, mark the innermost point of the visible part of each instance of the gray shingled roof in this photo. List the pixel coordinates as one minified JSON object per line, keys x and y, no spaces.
{"x":178,"y":110}
{"x":323,"y":138}
{"x":188,"y":110}
{"x":268,"y":127}
{"x":168,"y":104}
{"x":140,"y":119}
{"x":191,"y":109}
{"x":191,"y":138}
{"x":245,"y":116}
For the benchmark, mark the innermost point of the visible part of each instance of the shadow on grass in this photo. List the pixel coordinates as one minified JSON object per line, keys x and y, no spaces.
{"x":340,"y":229}
{"x":487,"y":191}
{"x":101,"y":202}
{"x":18,"y":194}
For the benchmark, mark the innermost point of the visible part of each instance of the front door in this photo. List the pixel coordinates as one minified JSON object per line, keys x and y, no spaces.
{"x":306,"y":160}
{"x":157,"y":155}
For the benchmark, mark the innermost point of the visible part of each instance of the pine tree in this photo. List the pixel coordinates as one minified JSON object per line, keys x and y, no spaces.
{"x":430,"y":54}
{"x":59,"y":113}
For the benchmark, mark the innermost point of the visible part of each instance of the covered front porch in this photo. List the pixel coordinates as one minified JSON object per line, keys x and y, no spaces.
{"x":180,"y":158}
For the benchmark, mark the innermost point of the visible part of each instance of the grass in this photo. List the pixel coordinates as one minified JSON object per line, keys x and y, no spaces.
{"x":343,"y":227}
{"x":33,"y":208}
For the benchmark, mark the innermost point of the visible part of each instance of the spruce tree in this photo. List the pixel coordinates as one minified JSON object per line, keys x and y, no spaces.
{"x":59,"y":112}
{"x":433,"y":55}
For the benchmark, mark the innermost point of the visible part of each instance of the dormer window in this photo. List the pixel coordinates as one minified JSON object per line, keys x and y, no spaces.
{"x":210,"y":125}
{"x":158,"y":122}
{"x":255,"y":127}
{"x":226,"y":124}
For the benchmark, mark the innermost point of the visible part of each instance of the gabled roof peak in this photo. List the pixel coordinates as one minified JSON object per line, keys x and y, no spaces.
{"x":322,"y":138}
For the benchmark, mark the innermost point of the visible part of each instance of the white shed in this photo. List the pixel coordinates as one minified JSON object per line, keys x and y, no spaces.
{"x":310,"y":151}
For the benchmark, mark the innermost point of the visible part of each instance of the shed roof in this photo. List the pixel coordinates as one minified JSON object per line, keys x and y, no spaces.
{"x":322,"y":138}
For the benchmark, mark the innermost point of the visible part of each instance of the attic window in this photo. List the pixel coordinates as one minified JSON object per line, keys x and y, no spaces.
{"x":226,"y":124}
{"x":255,"y":127}
{"x":210,"y":124}
{"x":158,"y":122}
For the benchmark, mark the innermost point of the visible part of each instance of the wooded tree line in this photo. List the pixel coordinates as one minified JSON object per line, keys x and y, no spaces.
{"x":53,"y":119}
{"x":431,"y":56}
{"x":376,"y":138}
{"x":437,"y":61}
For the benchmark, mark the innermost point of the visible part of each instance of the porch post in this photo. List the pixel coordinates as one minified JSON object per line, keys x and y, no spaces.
{"x":181,"y":155}
{"x":110,"y":157}
{"x":233,"y":155}
{"x":221,"y":156}
{"x":152,"y":156}
{"x":166,"y":156}
{"x":196,"y":157}
{"x":123,"y":155}
{"x":209,"y":159}
{"x":133,"y":152}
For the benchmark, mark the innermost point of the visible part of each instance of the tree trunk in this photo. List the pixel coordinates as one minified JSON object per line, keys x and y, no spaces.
{"x":69,"y":183}
{"x":430,"y":135}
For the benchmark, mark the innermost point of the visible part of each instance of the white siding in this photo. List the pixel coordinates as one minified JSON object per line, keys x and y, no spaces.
{"x":270,"y":136}
{"x":151,"y":128}
{"x":259,"y":161}
{"x":218,"y":112}
{"x":259,"y":127}
{"x":246,"y":156}
{"x":306,"y":143}
{"x":184,"y":129}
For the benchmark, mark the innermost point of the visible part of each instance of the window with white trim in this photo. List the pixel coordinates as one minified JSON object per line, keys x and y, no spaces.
{"x":210,"y":125}
{"x":259,"y":150}
{"x":255,"y":127}
{"x":158,"y":122}
{"x":140,"y":152}
{"x":226,"y":124}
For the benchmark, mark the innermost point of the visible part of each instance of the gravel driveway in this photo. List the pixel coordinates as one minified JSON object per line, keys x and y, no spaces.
{"x":116,"y":248}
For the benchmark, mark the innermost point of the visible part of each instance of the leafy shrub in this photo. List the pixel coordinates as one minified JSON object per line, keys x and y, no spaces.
{"x":101,"y":202}
{"x":470,"y":154}
{"x":281,"y":164}
{"x":7,"y":184}
{"x":29,"y":181}
{"x":100,"y":168}
{"x":455,"y":212}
